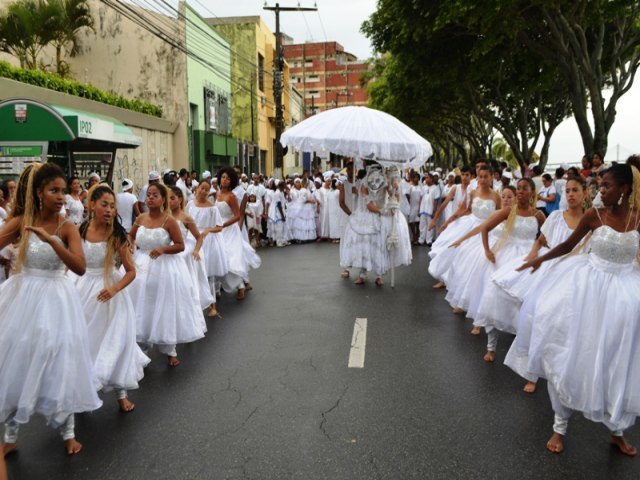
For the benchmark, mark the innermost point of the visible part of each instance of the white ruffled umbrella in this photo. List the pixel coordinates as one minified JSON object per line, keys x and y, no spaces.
{"x":360,"y":132}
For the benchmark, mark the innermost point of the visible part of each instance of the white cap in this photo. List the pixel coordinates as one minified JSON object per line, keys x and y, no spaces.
{"x":127,"y":184}
{"x":507,"y":174}
{"x":206,"y":174}
{"x":318,"y":179}
{"x":153,"y":175}
{"x":327,"y":175}
{"x":439,"y":170}
{"x":451,"y":174}
{"x":94,"y":175}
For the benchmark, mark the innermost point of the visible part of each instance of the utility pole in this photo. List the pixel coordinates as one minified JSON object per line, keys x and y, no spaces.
{"x":278,"y":81}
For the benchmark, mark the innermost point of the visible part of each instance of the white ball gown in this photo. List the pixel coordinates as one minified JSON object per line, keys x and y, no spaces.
{"x":118,"y":361}
{"x":241,"y":256}
{"x":44,"y":346}
{"x":443,"y":257}
{"x":301,"y":217}
{"x":586,"y":327}
{"x":197,"y":273}
{"x":166,"y":305}
{"x":215,"y":261}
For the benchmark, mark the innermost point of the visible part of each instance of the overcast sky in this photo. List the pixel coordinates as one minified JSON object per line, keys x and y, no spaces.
{"x":340,"y":20}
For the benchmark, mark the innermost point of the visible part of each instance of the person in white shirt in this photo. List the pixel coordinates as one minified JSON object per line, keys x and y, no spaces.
{"x":127,"y":205}
{"x":181,"y":183}
{"x":154,"y":177}
{"x":428,"y":205}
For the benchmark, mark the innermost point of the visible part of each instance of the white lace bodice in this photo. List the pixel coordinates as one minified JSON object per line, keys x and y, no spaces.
{"x":75,"y":209}
{"x":94,"y":253}
{"x":613,"y":246}
{"x":41,"y":256}
{"x":149,"y":238}
{"x":225,"y":210}
{"x":482,"y":208}
{"x":525,"y":228}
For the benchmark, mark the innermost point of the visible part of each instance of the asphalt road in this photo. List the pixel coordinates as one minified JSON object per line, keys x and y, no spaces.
{"x":268,"y":395}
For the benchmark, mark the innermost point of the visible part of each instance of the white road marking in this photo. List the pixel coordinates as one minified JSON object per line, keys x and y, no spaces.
{"x":358,"y":344}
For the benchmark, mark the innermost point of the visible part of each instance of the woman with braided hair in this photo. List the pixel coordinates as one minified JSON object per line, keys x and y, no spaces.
{"x":584,"y":339}
{"x":118,"y":362}
{"x":45,"y":364}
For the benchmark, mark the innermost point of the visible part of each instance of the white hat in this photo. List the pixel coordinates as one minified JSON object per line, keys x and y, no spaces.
{"x":153,"y":175}
{"x":343,"y":178}
{"x":439,"y":170}
{"x":507,"y":174}
{"x":327,"y":175}
{"x":206,"y":174}
{"x":297,"y":180}
{"x":127,"y":184}
{"x":94,"y":175}
{"x":451,"y":174}
{"x":517,"y":174}
{"x":318,"y":179}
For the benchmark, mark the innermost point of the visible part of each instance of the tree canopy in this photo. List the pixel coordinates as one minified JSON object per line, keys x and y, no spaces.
{"x":459,"y":70}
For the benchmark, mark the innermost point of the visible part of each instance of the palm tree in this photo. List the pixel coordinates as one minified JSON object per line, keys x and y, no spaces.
{"x":23,"y":33}
{"x":68,"y":19}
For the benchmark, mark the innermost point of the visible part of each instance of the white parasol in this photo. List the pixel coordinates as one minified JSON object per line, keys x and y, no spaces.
{"x":360,"y":132}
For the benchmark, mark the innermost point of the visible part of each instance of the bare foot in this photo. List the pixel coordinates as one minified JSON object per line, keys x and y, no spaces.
{"x":458,"y":311}
{"x":379,"y":282}
{"x":438,"y":285}
{"x":489,"y":357}
{"x":530,"y":387}
{"x":73,"y":446}
{"x":125,"y":405}
{"x":240,"y":295}
{"x":173,"y":361}
{"x":556,"y":443}
{"x":7,"y":448}
{"x":475,"y":331}
{"x":625,"y":448}
{"x":213,"y":311}
{"x":359,"y":281}
{"x":345,"y":274}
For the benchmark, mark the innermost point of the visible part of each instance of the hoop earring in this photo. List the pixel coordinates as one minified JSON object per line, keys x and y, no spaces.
{"x":620,"y":199}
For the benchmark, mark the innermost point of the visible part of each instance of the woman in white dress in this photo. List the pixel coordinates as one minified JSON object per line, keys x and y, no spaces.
{"x":166,"y":311}
{"x":483,"y":202}
{"x":240,"y":254}
{"x":521,"y":226}
{"x":276,"y":221}
{"x":192,"y":253}
{"x":586,"y":326}
{"x":73,"y":203}
{"x":118,"y":362}
{"x":301,"y":214}
{"x":321,"y":196}
{"x":337,"y":218}
{"x":514,"y":286}
{"x":44,"y":347}
{"x":208,"y":220}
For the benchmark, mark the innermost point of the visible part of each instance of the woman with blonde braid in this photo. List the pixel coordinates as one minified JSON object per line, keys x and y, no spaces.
{"x":514,"y":286}
{"x":118,"y":362}
{"x":165,"y":311}
{"x":586,"y":326}
{"x":522,"y":225}
{"x":44,"y":347}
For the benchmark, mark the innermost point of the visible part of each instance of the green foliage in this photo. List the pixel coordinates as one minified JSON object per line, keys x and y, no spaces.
{"x":59,"y":84}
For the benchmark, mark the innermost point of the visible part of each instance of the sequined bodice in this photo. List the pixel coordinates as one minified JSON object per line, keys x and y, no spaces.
{"x":41,"y":256}
{"x":613,"y":246}
{"x":525,"y":228}
{"x":225,"y":210}
{"x":149,"y":238}
{"x":94,"y":253}
{"x":482,"y":208}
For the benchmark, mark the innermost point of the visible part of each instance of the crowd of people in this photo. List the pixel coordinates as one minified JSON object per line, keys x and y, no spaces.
{"x":543,"y":264}
{"x":86,"y":296}
{"x":93,"y":280}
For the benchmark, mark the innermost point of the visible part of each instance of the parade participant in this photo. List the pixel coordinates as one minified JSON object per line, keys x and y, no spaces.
{"x":118,"y":362}
{"x":517,"y":285}
{"x":240,"y":255}
{"x":277,"y":227}
{"x":363,"y":246}
{"x":428,"y":204}
{"x":414,"y":196}
{"x":44,"y":347}
{"x":73,"y":203}
{"x":481,"y":301}
{"x":483,"y":202}
{"x":348,"y":198}
{"x":337,"y":217}
{"x":165,"y":310}
{"x":127,"y":205}
{"x":584,"y":339}
{"x":191,"y":254}
{"x":321,"y":196}
{"x":301,"y":219}
{"x":154,"y":178}
{"x":253,"y":216}
{"x":208,"y":222}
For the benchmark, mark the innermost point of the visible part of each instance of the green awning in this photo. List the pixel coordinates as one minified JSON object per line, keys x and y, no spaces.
{"x":29,"y":120}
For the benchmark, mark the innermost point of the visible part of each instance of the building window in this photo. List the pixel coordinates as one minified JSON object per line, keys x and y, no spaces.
{"x":313,"y":94}
{"x":312,"y":78}
{"x":308,"y":62}
{"x":261,"y":72}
